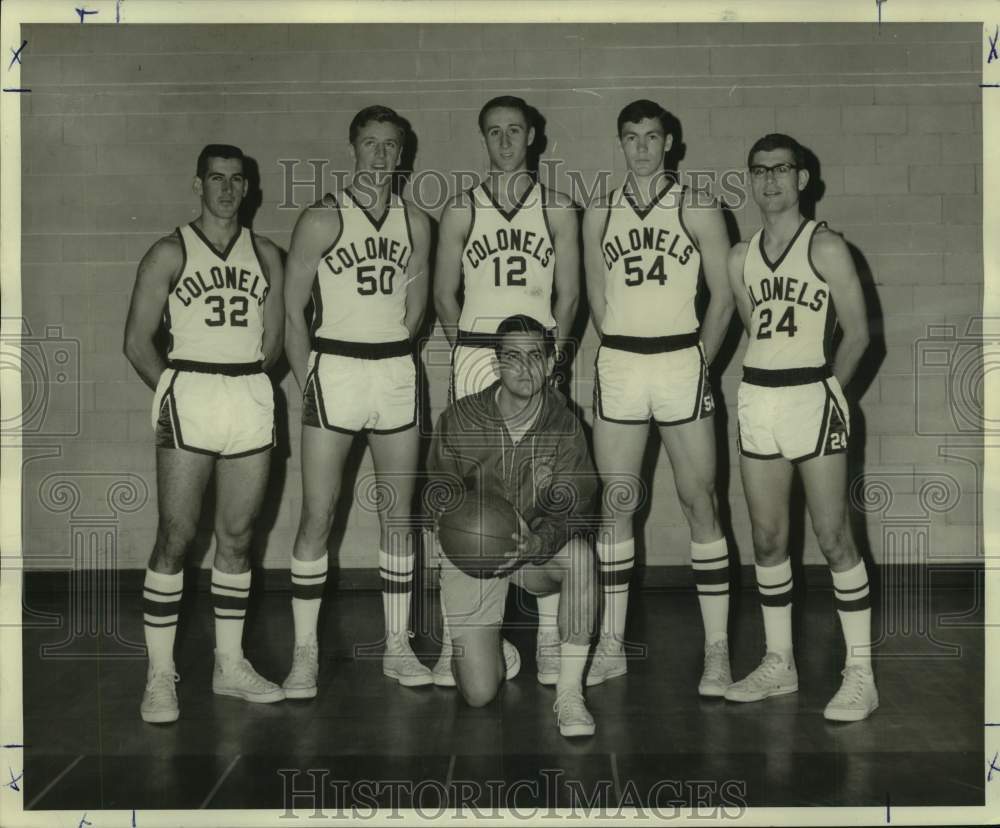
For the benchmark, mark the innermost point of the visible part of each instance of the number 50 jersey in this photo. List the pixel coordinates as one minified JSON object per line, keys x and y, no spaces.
{"x":793,"y":319}
{"x":215,"y":309}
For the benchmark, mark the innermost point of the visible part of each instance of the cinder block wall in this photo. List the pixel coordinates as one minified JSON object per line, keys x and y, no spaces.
{"x":117,"y":115}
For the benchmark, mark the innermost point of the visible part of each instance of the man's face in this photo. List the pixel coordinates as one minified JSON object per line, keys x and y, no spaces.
{"x":223,"y":187}
{"x":775,"y":181}
{"x":507,"y":138}
{"x":523,"y":365}
{"x":378,"y":149}
{"x":644,"y":145}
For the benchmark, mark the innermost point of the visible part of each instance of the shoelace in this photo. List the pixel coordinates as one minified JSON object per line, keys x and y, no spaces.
{"x":715,"y":659}
{"x":162,"y":684}
{"x":257,"y":680}
{"x":854,"y":683}
{"x":768,"y":667}
{"x":569,"y":703}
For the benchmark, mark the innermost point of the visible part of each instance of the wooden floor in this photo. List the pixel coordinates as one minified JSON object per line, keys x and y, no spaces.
{"x":87,"y":749}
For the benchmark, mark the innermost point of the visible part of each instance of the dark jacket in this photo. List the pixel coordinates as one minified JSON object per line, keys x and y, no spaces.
{"x":548,"y":476}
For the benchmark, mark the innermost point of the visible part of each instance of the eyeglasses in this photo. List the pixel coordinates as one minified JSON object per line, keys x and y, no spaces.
{"x":761,"y":171}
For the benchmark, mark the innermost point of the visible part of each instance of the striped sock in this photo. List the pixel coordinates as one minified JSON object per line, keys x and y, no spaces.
{"x":161,"y":604}
{"x":616,"y":561}
{"x":774,"y":583}
{"x":397,"y":587}
{"x":308,"y":582}
{"x":230,"y":596}
{"x":850,"y":589}
{"x":710,"y":562}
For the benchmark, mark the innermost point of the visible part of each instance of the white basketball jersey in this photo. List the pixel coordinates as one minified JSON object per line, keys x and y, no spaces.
{"x":651,"y":267}
{"x":507,"y":262}
{"x":360,"y":288}
{"x":215,"y":310}
{"x":793,"y":316}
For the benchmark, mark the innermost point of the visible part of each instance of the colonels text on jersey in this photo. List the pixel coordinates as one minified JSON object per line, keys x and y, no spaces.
{"x":792,"y":317}
{"x":215,"y":310}
{"x":360,"y":287}
{"x":508,"y":261}
{"x":651,"y":267}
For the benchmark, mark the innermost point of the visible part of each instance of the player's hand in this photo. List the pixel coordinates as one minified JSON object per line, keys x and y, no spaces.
{"x":527,"y":545}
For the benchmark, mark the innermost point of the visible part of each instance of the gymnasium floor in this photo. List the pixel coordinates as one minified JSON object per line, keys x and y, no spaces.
{"x":87,"y":749}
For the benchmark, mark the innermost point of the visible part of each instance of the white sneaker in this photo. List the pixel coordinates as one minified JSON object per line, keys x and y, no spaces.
{"x":608,"y":662}
{"x":572,"y":715}
{"x":857,"y":697}
{"x":301,"y":680}
{"x":774,"y":677}
{"x":716,"y":676}
{"x":235,"y":676}
{"x":159,"y":700}
{"x":443,"y":676}
{"x":399,"y":662}
{"x":547,"y":659}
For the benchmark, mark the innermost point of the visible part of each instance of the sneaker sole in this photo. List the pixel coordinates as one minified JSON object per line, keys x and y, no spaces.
{"x":576,"y":730}
{"x":784,"y":691}
{"x":593,"y":681}
{"x":548,"y":679}
{"x":444,"y":681}
{"x":300,"y":692}
{"x":161,"y":718}
{"x":850,"y":716}
{"x":712,"y":690}
{"x":259,"y":698}
{"x":409,"y":681}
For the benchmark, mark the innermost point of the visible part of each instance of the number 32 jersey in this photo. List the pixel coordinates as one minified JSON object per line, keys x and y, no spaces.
{"x":215,"y":309}
{"x":651,"y":267}
{"x":508,"y":261}
{"x":793,"y":318}
{"x":360,"y":289}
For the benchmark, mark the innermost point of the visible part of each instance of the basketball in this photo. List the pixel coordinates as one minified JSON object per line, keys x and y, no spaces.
{"x":476,"y":536}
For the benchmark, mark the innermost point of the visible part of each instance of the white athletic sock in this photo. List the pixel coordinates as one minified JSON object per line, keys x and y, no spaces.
{"x":850,"y":589}
{"x":548,"y":616}
{"x":230,"y":596}
{"x":572,"y":659}
{"x":615,"y":561}
{"x":710,"y":562}
{"x":161,"y":603}
{"x":308,"y":582}
{"x":397,"y":587}
{"x":774,"y":583}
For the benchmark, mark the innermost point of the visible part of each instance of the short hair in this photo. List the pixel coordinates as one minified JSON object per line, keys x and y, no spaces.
{"x":216,"y":151}
{"x":775,"y":141}
{"x":380,"y":114}
{"x":507,"y":102}
{"x":523,"y":324}
{"x":637,"y":110}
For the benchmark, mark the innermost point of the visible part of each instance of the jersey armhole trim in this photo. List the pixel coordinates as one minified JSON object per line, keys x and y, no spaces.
{"x":333,"y":244}
{"x":184,"y":258}
{"x":607,"y":217}
{"x":680,"y":216}
{"x":409,"y":229}
{"x":260,"y":259}
{"x":809,"y":251}
{"x":545,"y":215}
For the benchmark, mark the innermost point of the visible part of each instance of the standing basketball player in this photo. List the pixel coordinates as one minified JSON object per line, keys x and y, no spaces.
{"x":218,"y":289}
{"x":362,"y":256}
{"x":514,"y":245}
{"x":645,"y":246}
{"x":794,"y":282}
{"x":518,"y":441}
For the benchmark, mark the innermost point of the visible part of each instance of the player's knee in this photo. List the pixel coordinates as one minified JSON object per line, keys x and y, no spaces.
{"x":317,"y":521}
{"x":173,"y":536}
{"x":835,"y":542}
{"x":768,"y":542}
{"x":621,"y":499}
{"x":234,"y":538}
{"x":699,"y":507}
{"x":478,"y":690}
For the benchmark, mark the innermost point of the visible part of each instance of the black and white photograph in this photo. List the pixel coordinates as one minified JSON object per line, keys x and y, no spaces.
{"x":444,"y":411}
